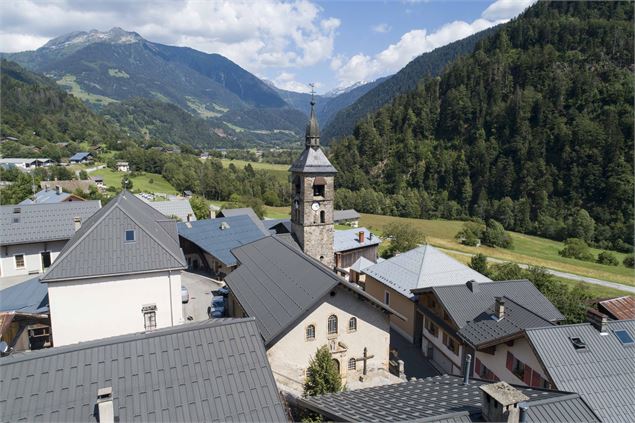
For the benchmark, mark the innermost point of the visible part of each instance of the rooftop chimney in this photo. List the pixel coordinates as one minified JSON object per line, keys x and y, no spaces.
{"x":58,"y":189}
{"x":597,"y":320}
{"x":500,"y":308}
{"x":473,"y":286}
{"x":500,"y":402}
{"x":189,"y":217}
{"x":524,"y":407}
{"x":78,"y":223}
{"x":466,"y":371}
{"x":106,"y":413}
{"x":361,"y":235}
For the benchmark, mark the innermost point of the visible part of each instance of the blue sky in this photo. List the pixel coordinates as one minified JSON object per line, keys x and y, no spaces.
{"x":332,"y":43}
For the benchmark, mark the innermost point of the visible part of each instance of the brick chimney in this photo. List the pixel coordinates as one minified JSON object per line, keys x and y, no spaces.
{"x":500,"y":402}
{"x":105,"y":410}
{"x":597,"y":320}
{"x":499,"y":309}
{"x":361,"y":236}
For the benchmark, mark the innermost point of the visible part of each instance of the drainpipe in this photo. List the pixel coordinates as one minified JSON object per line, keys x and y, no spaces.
{"x":523,"y":407}
{"x":170,"y":287}
{"x":466,"y":372}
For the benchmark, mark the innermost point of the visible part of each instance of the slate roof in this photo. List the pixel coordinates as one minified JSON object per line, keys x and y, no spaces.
{"x":485,"y":329}
{"x":30,"y":296}
{"x":178,"y":208}
{"x":341,"y":215}
{"x":621,"y":308}
{"x":440,"y":398}
{"x":243,"y":211}
{"x":349,"y":239}
{"x":277,"y":284}
{"x":99,"y":248}
{"x":211,"y":238}
{"x":216,"y":370}
{"x":603,"y":373}
{"x":312,"y":160}
{"x":463,"y":305}
{"x":422,"y":267}
{"x":79,"y":156}
{"x":43,"y":222}
{"x":46,"y":197}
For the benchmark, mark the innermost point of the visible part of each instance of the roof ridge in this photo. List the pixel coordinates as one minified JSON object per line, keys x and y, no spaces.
{"x":527,"y":309}
{"x":79,"y":346}
{"x":423,"y":260}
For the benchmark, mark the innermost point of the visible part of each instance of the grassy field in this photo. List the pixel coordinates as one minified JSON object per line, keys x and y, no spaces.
{"x":280,"y":172}
{"x":70,"y":81}
{"x":139,"y":183}
{"x":527,"y":249}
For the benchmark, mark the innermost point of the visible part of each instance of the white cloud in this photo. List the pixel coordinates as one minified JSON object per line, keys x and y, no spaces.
{"x":287,"y":81}
{"x":382,"y":28}
{"x":255,"y":34}
{"x":364,"y":67}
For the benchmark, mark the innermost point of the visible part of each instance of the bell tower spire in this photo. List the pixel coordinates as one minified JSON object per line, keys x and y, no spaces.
{"x":312,"y":128}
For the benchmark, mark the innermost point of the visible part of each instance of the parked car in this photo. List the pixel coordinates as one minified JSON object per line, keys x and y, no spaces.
{"x":217,"y":308}
{"x":185,"y":294}
{"x":223,"y":292}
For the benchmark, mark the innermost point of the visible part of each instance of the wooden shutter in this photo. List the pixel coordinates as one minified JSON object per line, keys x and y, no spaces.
{"x":527,"y":375}
{"x":510,"y":361}
{"x":477,"y":367}
{"x":536,"y":380}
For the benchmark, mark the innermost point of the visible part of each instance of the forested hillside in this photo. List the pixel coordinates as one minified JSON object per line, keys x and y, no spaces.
{"x":343,"y":122}
{"x":534,"y":129}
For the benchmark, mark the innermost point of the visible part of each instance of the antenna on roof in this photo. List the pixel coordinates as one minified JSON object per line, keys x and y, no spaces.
{"x":312,"y":85}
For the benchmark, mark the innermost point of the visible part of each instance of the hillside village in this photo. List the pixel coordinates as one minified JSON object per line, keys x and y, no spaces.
{"x":187,"y":237}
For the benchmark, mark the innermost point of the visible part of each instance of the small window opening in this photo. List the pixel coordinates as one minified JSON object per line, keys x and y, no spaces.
{"x":130,"y":235}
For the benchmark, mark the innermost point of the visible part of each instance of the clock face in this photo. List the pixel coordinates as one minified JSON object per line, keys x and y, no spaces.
{"x":315,"y":206}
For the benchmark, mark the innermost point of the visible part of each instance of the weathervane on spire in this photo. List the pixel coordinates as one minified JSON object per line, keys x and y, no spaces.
{"x":312,"y":85}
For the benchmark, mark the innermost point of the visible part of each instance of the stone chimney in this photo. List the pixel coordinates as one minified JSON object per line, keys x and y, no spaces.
{"x":78,"y":223}
{"x":500,"y":402}
{"x":361,"y":236}
{"x":499,"y":309}
{"x":105,"y":409}
{"x":473,"y":286}
{"x":597,"y":320}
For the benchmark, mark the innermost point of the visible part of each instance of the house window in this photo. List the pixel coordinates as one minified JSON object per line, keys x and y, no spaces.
{"x":432,"y":328}
{"x":149,"y":317}
{"x":352,"y":324}
{"x":19,"y":261}
{"x":130,"y":235}
{"x":332,"y":324}
{"x":352,"y":364}
{"x":310,"y":333}
{"x":386,"y":297}
{"x":451,"y":343}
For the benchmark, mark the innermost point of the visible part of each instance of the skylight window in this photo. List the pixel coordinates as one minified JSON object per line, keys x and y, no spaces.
{"x":578,"y":343}
{"x":624,"y":337}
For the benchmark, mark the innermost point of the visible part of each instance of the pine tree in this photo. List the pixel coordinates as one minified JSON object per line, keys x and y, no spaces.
{"x":322,"y":376}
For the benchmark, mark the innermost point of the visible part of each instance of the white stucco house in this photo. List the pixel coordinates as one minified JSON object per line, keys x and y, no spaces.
{"x":300,"y":305}
{"x":32,"y":236}
{"x":119,"y":274}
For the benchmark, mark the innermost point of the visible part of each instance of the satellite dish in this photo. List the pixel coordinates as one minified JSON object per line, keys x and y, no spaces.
{"x":4,"y":347}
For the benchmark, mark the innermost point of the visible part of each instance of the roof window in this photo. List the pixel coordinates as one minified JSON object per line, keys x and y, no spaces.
{"x":624,"y":336}
{"x":578,"y":343}
{"x":17,"y":210}
{"x":130,"y":235}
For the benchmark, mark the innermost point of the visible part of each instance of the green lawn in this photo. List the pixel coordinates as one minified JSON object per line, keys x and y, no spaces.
{"x":279,"y":171}
{"x":527,"y":249}
{"x":139,"y":183}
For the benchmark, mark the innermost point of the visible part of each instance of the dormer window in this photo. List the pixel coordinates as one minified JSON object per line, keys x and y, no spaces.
{"x":130,"y":235}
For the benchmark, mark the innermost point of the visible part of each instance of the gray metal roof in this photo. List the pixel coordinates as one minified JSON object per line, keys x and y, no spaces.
{"x":213,"y":371}
{"x":603,"y":373}
{"x":99,"y":247}
{"x":463,"y":305}
{"x":68,"y":185}
{"x":348,"y":239}
{"x":46,"y":196}
{"x":248,"y":211}
{"x":340,"y":215}
{"x":485,"y":329}
{"x":179,"y":208}
{"x":22,"y":224}
{"x":218,"y":236}
{"x":312,"y":160}
{"x":277,"y":284}
{"x":30,"y":296}
{"x":272,"y":225}
{"x":80,"y":156}
{"x":440,"y":398}
{"x":422,"y":267}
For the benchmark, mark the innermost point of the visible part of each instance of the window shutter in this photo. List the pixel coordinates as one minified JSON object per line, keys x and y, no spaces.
{"x":536,"y":380}
{"x":510,"y":361}
{"x":477,"y":367}
{"x":527,"y":375}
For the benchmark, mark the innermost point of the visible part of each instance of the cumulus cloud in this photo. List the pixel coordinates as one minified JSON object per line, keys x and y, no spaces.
{"x":287,"y":81}
{"x":382,"y":28}
{"x":363,"y":67}
{"x":256,"y":35}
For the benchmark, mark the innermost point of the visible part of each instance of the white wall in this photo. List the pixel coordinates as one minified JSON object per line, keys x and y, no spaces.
{"x":290,"y":356}
{"x":32,"y":259}
{"x":497,"y":363}
{"x":96,"y":308}
{"x":437,"y":342}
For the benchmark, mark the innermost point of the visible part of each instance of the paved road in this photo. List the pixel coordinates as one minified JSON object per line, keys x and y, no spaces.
{"x":607,"y":284}
{"x":200,"y":288}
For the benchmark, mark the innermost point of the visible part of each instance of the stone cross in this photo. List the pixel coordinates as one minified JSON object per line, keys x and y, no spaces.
{"x":365,"y":359}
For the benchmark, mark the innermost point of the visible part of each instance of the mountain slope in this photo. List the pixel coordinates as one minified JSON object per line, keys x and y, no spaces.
{"x":534,"y":129}
{"x":344,"y":120}
{"x":106,"y":67}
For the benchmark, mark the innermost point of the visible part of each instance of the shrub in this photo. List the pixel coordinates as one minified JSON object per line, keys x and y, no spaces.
{"x":479,"y":263}
{"x":576,"y":248}
{"x":470,"y":234}
{"x":322,"y":376}
{"x":495,"y":235}
{"x":607,"y":258}
{"x":403,"y":237}
{"x":629,"y":261}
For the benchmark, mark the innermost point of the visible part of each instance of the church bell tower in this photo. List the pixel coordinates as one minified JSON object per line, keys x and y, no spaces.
{"x":313,"y":178}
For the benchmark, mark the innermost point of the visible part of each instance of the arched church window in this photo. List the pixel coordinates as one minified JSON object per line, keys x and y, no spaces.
{"x":310,"y":332}
{"x":332,"y":324}
{"x":352,"y":324}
